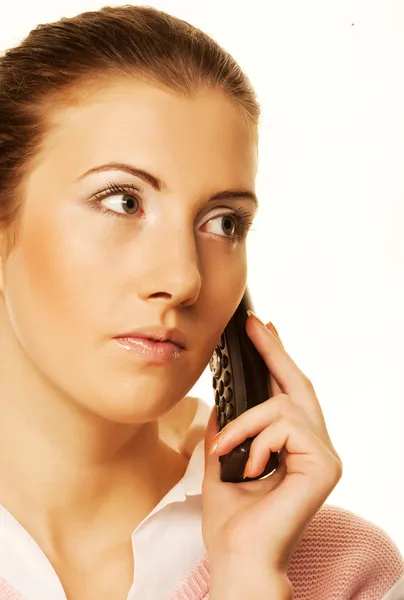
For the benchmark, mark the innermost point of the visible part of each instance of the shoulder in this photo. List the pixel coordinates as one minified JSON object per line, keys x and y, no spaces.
{"x":343,"y":556}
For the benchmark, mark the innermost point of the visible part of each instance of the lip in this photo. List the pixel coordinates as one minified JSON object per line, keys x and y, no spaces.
{"x":156,"y":334}
{"x":155,"y":345}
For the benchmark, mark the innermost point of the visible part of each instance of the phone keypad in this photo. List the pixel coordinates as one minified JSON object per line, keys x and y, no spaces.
{"x":222,"y":382}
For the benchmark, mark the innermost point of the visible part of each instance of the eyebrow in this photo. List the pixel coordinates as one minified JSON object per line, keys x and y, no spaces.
{"x":159,"y":185}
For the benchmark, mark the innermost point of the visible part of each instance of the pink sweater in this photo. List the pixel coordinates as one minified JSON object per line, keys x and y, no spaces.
{"x":341,"y":557}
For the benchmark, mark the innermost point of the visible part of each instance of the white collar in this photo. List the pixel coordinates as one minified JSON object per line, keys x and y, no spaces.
{"x":189,"y":485}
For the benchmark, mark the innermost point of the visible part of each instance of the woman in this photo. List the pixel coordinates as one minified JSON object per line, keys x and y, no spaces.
{"x":128,"y":153}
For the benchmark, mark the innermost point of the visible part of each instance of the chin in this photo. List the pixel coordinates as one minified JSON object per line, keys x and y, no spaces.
{"x":141,"y":400}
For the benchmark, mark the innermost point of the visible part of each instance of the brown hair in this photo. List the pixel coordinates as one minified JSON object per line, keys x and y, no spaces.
{"x":55,"y":58}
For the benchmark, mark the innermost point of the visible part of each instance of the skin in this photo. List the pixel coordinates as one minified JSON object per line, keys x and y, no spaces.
{"x":254,"y":527}
{"x":78,"y":414}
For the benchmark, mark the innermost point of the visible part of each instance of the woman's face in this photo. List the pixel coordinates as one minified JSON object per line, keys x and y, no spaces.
{"x":133,"y":227}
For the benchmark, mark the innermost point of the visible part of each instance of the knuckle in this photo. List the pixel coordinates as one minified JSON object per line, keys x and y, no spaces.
{"x":307,"y":384}
{"x":339,"y":469}
{"x":286,"y":423}
{"x":283,"y":405}
{"x":332,"y":470}
{"x":256,"y":445}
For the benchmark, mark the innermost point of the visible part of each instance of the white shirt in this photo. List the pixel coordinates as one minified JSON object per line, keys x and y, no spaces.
{"x":166,"y":544}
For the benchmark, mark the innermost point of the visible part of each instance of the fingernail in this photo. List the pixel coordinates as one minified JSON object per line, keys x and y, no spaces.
{"x":247,"y":469}
{"x":272,"y":327}
{"x":251,"y":314}
{"x":273,"y":330}
{"x":214,"y":443}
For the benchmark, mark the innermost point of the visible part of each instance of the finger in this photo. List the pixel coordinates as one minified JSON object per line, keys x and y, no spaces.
{"x":253,"y":421}
{"x":284,"y":370}
{"x":274,"y":386}
{"x":291,"y":437}
{"x":304,"y":452}
{"x":212,"y":465}
{"x":273,"y":329}
{"x":256,"y":419}
{"x":312,"y":472}
{"x":275,"y":389}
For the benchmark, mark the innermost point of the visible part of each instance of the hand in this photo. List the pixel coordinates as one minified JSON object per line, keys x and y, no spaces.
{"x":255,"y":525}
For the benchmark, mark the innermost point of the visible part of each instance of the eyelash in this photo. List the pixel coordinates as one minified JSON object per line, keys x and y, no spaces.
{"x":243,"y":218}
{"x":128,"y":189}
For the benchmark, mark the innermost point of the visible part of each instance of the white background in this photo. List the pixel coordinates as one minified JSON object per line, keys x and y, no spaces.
{"x":326,"y":258}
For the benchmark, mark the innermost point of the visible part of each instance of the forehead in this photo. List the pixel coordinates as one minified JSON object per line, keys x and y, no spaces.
{"x":203,"y":136}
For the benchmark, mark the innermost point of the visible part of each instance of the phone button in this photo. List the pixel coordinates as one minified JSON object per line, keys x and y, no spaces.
{"x":225,"y":361}
{"x":226,"y":378}
{"x":215,"y":363}
{"x":228,"y":395}
{"x":222,"y":341}
{"x":229,"y":411}
{"x":221,"y":387}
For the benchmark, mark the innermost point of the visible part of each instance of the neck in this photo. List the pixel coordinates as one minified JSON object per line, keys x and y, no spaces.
{"x":68,"y":467}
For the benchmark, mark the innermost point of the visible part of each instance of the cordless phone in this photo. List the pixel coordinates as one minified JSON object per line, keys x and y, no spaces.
{"x":240,"y":381}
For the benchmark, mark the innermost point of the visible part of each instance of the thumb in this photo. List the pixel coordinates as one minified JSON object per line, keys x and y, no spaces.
{"x":212,"y":465}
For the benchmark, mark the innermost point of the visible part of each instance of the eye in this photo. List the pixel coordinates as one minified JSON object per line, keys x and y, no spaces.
{"x":231,"y":225}
{"x":222,"y":225}
{"x":123,"y":204}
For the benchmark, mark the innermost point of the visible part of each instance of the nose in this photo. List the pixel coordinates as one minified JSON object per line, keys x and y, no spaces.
{"x":171,"y":272}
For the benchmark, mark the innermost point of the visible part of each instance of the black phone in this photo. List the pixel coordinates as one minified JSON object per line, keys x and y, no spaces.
{"x":240,"y":381}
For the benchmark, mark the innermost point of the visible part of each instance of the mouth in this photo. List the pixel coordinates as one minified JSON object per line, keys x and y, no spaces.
{"x":153,"y":344}
{"x":157,"y":334}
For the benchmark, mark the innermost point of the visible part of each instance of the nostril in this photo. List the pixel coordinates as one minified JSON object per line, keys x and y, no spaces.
{"x":162,"y":295}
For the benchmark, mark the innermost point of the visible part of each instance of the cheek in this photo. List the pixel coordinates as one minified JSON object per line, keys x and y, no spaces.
{"x":224,"y":280}
{"x":51,"y":276}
